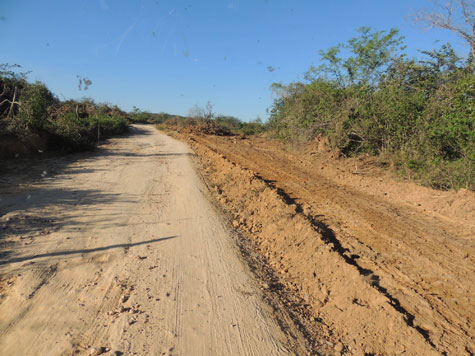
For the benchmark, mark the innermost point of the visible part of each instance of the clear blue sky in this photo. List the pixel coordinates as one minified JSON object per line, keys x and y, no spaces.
{"x":170,"y":55}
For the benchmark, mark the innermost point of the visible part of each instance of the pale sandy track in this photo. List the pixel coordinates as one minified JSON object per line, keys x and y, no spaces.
{"x":121,"y":249}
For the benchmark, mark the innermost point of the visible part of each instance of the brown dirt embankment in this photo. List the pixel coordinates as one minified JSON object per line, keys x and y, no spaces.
{"x":378,"y":265}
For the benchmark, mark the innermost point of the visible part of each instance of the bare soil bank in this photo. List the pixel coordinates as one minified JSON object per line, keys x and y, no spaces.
{"x":371,"y":265}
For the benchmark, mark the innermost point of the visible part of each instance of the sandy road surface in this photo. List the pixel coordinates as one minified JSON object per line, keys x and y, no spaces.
{"x":120,"y":249}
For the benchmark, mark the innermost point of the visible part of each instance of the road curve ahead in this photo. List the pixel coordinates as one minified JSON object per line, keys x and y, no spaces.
{"x":120,"y":250}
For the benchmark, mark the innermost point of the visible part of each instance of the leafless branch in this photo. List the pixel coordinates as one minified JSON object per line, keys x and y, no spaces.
{"x":457,"y":16}
{"x":12,"y":102}
{"x":3,"y":91}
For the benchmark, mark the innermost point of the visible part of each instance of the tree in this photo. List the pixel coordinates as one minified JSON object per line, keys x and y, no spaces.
{"x":199,"y":112}
{"x":369,"y":56}
{"x":457,"y":16}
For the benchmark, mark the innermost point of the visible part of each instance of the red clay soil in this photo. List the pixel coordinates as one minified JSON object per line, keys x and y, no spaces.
{"x":382,"y":266}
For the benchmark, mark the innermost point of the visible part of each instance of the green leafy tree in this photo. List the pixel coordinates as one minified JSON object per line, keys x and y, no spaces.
{"x":368,"y":57}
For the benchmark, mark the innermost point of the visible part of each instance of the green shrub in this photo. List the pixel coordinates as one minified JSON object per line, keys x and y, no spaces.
{"x":417,"y":114}
{"x":70,"y":125}
{"x":35,"y":101}
{"x":84,"y":127}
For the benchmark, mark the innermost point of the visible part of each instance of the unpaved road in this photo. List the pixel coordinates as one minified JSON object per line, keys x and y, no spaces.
{"x":121,"y":250}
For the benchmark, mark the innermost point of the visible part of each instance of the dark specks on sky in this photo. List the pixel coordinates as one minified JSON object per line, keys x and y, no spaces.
{"x":83,"y":83}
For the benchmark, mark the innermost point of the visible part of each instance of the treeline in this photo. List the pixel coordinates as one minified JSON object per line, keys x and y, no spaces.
{"x":368,"y":97}
{"x":33,"y":119}
{"x":221,"y":125}
{"x":203,"y":119}
{"x":144,"y":117}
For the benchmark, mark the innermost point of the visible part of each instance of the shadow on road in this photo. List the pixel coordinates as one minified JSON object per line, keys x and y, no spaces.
{"x":32,"y":205}
{"x":83,"y":251}
{"x":26,"y":171}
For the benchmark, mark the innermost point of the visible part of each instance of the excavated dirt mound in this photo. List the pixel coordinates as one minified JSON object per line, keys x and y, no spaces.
{"x":379,"y":266}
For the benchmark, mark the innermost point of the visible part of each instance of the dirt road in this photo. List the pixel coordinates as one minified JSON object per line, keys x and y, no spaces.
{"x":121,"y":251}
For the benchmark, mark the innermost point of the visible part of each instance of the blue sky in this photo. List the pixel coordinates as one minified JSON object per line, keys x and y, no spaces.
{"x":171,"y":55}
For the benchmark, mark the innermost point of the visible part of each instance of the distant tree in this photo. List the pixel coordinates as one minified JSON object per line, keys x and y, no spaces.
{"x":199,"y":112}
{"x":228,"y":121}
{"x":370,"y":54}
{"x":457,"y":16}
